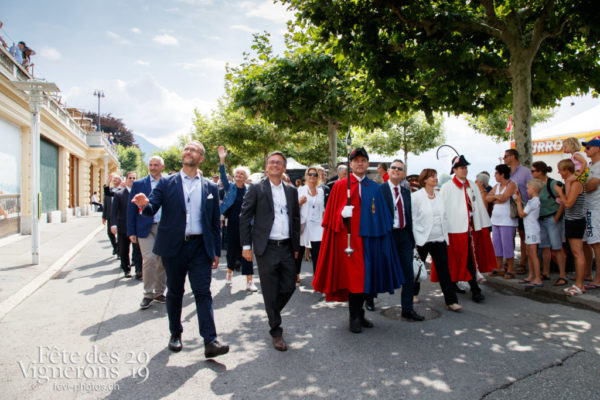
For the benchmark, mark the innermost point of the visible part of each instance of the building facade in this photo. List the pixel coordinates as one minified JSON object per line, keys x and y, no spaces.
{"x":75,"y":160}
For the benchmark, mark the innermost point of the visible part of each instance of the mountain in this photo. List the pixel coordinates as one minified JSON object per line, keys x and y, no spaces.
{"x":145,"y":146}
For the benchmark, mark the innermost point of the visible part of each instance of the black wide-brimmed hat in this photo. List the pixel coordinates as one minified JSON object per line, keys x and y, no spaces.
{"x":459,"y":161}
{"x":360,"y":151}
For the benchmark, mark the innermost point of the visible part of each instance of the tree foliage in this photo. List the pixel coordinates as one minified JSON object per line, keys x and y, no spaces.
{"x":131,"y":159}
{"x":465,"y":56}
{"x":116,"y":127}
{"x":495,"y":124}
{"x":409,"y":132}
{"x":172,"y":158}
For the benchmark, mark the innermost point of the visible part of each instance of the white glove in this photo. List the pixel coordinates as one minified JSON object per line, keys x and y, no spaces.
{"x":347,"y":211}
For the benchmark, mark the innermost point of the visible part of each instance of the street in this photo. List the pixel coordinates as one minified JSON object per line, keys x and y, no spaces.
{"x":83,"y":336}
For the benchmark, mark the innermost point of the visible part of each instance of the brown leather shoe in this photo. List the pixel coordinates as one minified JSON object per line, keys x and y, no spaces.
{"x":279,"y":343}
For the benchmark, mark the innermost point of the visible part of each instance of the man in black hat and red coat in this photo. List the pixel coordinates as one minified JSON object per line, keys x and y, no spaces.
{"x":373,"y":265}
{"x":470,"y":247}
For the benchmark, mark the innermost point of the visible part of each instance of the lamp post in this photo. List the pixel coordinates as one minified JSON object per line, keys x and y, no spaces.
{"x":98,"y":93}
{"x":36,"y":89}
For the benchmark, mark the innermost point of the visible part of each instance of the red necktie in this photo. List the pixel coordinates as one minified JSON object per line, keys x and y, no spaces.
{"x":400,"y":210}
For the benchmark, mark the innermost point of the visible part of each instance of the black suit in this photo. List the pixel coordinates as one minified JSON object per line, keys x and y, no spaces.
{"x":108,"y":195}
{"x":405,"y":243}
{"x":275,"y":259}
{"x":118,"y":216}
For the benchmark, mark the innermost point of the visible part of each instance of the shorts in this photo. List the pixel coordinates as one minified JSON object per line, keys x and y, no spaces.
{"x":532,"y":238}
{"x":592,"y":226}
{"x":551,"y":233}
{"x":503,"y":239}
{"x":574,"y":228}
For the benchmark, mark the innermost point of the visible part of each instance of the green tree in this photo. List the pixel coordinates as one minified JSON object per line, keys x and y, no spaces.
{"x":131,"y":159}
{"x":466,"y":56}
{"x":305,"y":90}
{"x":409,"y":132}
{"x":172,"y":158}
{"x":495,"y":123}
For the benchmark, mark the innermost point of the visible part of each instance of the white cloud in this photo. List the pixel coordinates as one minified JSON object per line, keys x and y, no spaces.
{"x":142,"y":63}
{"x":166,"y":40}
{"x":270,"y":11}
{"x":205,"y":63}
{"x":196,"y":2}
{"x":117,"y":38}
{"x":135,"y":30}
{"x":145,"y":106}
{"x":50,"y":53}
{"x":244,"y":28}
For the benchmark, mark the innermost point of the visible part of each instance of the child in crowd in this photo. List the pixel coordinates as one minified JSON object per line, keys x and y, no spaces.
{"x":530,"y":215}
{"x":572,"y":146}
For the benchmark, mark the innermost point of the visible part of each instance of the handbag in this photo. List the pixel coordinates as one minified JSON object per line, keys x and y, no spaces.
{"x":419,"y":270}
{"x":514,"y":211}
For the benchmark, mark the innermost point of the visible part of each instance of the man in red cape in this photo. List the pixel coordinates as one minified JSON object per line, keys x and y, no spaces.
{"x":470,"y":247}
{"x":373,"y":266}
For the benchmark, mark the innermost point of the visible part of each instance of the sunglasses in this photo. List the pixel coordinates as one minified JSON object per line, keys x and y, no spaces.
{"x":312,"y":174}
{"x":398,"y":168}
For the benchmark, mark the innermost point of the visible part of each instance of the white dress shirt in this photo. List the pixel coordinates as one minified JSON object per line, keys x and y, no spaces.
{"x":396,"y":216}
{"x":281,"y":225}
{"x":192,"y":196}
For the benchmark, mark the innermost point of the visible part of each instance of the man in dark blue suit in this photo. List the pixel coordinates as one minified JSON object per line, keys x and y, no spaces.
{"x":398,"y":200}
{"x":142,"y":230}
{"x":189,"y":242}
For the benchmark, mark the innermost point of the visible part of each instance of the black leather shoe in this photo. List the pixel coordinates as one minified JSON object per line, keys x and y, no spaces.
{"x":478,"y":297}
{"x":365,"y":323}
{"x":127,"y":274}
{"x":355,"y":325}
{"x":175,"y":343}
{"x":412,"y":315}
{"x":145,"y":303}
{"x":215,"y":348}
{"x":160,"y":298}
{"x":370,"y":304}
{"x":138,"y":276}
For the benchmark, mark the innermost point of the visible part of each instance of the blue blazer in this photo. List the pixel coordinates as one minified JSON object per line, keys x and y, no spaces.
{"x":139,"y":225}
{"x":230,"y":190}
{"x":168,"y":194}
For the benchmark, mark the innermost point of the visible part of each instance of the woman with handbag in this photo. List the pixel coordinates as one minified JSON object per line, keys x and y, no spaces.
{"x":504,"y":221}
{"x":430,"y":231}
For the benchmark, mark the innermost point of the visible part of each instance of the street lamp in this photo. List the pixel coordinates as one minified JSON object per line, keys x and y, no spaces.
{"x":99,"y":93}
{"x":35,"y":89}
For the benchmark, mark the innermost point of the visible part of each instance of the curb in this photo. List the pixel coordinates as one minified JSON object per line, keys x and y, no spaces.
{"x":545,"y":294}
{"x":7,"y":305}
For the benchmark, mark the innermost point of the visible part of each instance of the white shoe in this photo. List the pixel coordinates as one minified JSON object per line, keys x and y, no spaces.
{"x":228,"y":280}
{"x":251,"y":287}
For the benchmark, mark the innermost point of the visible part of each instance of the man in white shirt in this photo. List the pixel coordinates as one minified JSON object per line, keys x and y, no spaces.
{"x":275,"y":236}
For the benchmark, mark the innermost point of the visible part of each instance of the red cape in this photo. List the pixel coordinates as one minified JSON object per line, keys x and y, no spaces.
{"x":337,"y":275}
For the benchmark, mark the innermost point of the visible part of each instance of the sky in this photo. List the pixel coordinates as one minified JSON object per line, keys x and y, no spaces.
{"x":158,"y":61}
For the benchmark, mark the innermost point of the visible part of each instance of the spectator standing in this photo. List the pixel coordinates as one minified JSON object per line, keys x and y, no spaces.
{"x":592,"y":205}
{"x":115,"y":181}
{"x":311,"y":199}
{"x":520,"y":175}
{"x":551,"y":223}
{"x":231,"y":208}
{"x":572,"y":197}
{"x":382,"y":170}
{"x":26,"y":53}
{"x":503,"y":225}
{"x":1,"y":38}
{"x":530,"y":215}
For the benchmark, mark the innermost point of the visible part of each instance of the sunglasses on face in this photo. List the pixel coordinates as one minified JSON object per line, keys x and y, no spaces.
{"x":398,"y":168}
{"x":312,"y":174}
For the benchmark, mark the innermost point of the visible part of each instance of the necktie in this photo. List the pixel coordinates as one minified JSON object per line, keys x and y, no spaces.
{"x":400,"y":209}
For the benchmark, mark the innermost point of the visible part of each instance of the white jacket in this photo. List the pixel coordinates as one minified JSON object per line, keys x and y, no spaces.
{"x":311,"y":219}
{"x":456,"y":206}
{"x":422,"y":216}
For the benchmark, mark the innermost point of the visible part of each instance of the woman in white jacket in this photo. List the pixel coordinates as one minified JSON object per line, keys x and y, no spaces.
{"x":312,"y":206}
{"x":430,"y":230}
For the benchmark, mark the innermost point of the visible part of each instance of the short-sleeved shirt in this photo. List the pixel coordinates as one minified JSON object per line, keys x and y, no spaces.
{"x":521,"y":176}
{"x":548,"y":204}
{"x":531,"y":223}
{"x":592,"y":199}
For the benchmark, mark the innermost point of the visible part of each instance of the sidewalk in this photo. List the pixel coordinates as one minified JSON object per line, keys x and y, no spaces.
{"x":59,"y":242}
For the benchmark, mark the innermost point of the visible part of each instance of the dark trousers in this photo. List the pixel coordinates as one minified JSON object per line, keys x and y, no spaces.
{"x":475,"y":289}
{"x":298,"y":261}
{"x":439,"y":255}
{"x":194,"y":262}
{"x":136,"y":255}
{"x":113,"y":239}
{"x":405,"y":254}
{"x":355,"y":304}
{"x":277,"y":274}
{"x":234,"y":250}
{"x":314,"y":254}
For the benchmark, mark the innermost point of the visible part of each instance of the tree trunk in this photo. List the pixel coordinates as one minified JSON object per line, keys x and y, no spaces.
{"x":332,"y":128}
{"x":520,"y":71}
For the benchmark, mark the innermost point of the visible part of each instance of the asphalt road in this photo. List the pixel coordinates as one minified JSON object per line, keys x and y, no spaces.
{"x":82,"y":335}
